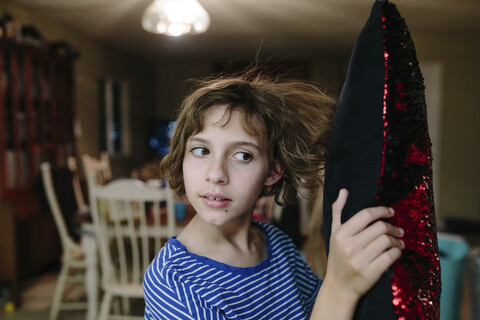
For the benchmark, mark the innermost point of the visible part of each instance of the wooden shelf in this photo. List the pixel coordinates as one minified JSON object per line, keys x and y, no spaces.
{"x":36,"y":125}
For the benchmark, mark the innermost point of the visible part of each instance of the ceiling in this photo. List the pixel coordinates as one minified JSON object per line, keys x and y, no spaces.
{"x":243,"y":27}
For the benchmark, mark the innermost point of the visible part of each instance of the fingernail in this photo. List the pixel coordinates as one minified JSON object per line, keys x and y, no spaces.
{"x":403,"y":244}
{"x":391,"y":211}
{"x":402,"y":232}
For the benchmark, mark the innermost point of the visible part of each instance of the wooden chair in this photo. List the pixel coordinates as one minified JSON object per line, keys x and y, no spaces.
{"x":132,"y":221}
{"x":101,"y":167}
{"x":77,"y":187}
{"x":72,"y":259}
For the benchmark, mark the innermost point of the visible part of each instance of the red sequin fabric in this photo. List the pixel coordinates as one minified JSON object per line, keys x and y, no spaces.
{"x":405,"y":181}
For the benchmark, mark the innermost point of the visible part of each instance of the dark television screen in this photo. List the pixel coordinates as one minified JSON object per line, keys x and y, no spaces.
{"x":160,"y":134}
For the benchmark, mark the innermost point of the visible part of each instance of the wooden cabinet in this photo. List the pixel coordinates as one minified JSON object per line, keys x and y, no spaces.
{"x":36,"y":125}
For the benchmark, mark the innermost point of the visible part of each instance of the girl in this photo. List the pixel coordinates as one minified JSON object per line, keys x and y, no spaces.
{"x":236,"y":139}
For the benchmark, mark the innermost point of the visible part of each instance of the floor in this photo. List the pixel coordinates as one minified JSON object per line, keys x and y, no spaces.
{"x":36,"y":300}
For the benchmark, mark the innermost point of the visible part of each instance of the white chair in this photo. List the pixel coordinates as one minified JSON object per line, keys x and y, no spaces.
{"x":72,"y":259}
{"x":132,"y":222}
{"x":101,"y":167}
{"x":77,"y":187}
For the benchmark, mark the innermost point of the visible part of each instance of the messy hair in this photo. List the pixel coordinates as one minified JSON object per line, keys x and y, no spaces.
{"x":295,"y":116}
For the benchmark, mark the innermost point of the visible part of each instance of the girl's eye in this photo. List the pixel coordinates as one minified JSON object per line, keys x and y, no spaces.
{"x":243,"y":156}
{"x":199,"y":151}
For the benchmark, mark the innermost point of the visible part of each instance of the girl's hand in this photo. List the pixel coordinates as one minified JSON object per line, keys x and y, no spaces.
{"x":361,"y":249}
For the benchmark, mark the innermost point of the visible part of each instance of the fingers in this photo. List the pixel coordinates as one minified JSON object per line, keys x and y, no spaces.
{"x":377,"y":229}
{"x":362,"y":219}
{"x":366,"y":229}
{"x":376,"y":246}
{"x":384,"y":261}
{"x":362,"y":248}
{"x":366,"y":217}
{"x":337,"y":208}
{"x":383,"y":243}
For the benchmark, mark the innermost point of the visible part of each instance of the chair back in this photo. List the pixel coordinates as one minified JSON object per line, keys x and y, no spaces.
{"x":132,"y":222}
{"x":101,"y":167}
{"x":65,"y":238}
{"x":77,"y":187}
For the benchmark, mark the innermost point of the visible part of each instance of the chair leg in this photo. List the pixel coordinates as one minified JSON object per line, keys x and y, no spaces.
{"x":59,"y":290}
{"x":116,"y":306}
{"x":126,"y":306}
{"x":105,"y":307}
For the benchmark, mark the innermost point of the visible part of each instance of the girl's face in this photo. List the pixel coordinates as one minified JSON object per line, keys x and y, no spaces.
{"x":225,"y":169}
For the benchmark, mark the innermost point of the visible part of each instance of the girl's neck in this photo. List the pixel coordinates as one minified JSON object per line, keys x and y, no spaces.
{"x":241,"y":244}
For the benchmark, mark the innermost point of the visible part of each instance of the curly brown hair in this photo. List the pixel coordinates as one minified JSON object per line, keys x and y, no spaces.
{"x":294,"y":115}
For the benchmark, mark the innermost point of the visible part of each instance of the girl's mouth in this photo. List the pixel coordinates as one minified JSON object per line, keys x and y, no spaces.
{"x":216,"y":201}
{"x":216,"y":198}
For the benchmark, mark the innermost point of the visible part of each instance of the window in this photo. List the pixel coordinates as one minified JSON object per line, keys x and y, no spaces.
{"x":113,"y":107}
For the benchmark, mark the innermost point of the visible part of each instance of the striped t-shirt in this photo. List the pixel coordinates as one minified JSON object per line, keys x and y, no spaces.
{"x":181,"y":285}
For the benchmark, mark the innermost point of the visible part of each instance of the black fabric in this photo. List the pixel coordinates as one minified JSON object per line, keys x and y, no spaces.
{"x":63,"y":186}
{"x":355,"y":154}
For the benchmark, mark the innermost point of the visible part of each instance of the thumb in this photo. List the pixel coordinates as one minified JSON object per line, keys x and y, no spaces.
{"x":337,"y":208}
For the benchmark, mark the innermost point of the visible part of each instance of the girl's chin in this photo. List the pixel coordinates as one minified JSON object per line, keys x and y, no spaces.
{"x":221,"y":217}
{"x":216,"y":218}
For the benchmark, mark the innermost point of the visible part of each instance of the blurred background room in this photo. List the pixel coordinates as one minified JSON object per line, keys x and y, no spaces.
{"x":85,"y":88}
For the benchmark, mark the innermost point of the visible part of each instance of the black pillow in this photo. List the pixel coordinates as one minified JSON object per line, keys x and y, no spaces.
{"x":380,"y":151}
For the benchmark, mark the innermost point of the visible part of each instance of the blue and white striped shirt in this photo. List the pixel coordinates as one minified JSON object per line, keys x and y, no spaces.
{"x":182,"y":285}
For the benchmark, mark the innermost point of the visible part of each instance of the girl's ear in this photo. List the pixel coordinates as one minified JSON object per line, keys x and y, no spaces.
{"x":275,"y":174}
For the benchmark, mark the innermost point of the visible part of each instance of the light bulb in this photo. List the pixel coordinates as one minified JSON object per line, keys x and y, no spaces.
{"x":175,"y":17}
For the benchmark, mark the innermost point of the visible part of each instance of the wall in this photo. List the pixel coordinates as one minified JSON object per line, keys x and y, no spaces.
{"x":458,"y":172}
{"x":99,"y":61}
{"x":157,"y":92}
{"x":459,"y":176}
{"x":170,"y":83}
{"x":172,"y":79}
{"x":457,"y":157}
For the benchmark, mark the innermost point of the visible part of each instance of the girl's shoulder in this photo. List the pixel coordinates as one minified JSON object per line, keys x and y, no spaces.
{"x":277,"y":239}
{"x":170,"y":253}
{"x":168,"y":263}
{"x":272,"y":232}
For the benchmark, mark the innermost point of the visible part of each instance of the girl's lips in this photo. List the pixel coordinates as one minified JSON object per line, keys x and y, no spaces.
{"x":215,"y":201}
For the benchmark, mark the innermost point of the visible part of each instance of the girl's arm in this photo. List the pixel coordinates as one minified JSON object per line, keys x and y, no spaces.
{"x":361,"y":250}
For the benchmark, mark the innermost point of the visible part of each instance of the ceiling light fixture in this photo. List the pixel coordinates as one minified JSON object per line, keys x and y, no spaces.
{"x":175,"y":17}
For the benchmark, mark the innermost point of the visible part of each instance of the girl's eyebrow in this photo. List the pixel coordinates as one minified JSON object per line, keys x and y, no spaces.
{"x":246,"y":143}
{"x":235,"y":144}
{"x":196,"y":139}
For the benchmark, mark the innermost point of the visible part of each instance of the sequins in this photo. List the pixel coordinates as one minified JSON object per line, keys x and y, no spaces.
{"x":416,"y":277}
{"x":405,"y":181}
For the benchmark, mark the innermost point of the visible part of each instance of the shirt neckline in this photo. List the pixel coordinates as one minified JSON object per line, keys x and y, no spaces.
{"x":223,"y":266}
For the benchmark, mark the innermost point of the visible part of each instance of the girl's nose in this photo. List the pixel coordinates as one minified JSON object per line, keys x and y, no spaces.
{"x":217,"y":172}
